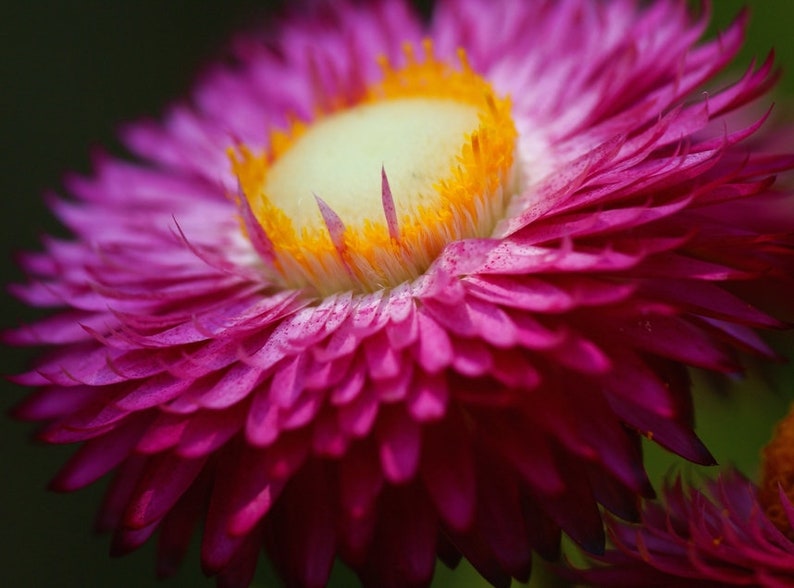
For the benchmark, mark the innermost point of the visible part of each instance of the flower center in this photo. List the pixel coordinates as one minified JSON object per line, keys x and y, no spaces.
{"x":777,"y":472}
{"x":366,"y":197}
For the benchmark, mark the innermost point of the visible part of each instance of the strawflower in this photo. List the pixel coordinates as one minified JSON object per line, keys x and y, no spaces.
{"x":385,"y":290}
{"x":731,"y":532}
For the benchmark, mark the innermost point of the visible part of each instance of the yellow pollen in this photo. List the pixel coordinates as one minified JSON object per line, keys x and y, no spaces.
{"x":367,"y":196}
{"x":777,"y":472}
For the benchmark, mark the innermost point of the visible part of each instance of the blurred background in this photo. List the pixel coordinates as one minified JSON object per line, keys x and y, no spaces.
{"x":72,"y":72}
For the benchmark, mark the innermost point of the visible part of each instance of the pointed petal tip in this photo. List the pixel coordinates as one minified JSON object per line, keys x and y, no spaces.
{"x":387,"y":202}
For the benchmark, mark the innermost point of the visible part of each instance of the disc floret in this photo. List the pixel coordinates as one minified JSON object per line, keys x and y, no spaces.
{"x":367,"y":196}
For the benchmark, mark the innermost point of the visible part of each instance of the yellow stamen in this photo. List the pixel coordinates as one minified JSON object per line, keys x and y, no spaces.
{"x":367,"y":197}
{"x":777,"y":472}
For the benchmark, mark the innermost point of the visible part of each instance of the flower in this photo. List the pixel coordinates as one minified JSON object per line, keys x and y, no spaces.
{"x":732,"y":533}
{"x":718,"y":536}
{"x":450,"y":343}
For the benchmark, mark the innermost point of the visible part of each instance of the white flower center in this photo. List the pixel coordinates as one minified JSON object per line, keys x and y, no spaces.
{"x":339,"y":159}
{"x":367,"y":196}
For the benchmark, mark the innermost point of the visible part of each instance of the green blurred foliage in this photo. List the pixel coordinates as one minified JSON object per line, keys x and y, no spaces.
{"x":72,"y":72}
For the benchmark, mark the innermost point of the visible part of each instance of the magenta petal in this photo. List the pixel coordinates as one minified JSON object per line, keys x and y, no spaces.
{"x":126,"y":540}
{"x":153,"y":391}
{"x":177,"y":528}
{"x":253,"y":499}
{"x":236,"y":384}
{"x":384,"y":362}
{"x":306,"y":552}
{"x":163,"y":433}
{"x":434,"y":351}
{"x":262,"y":424}
{"x":499,"y":515}
{"x":405,"y":331}
{"x":208,"y":431}
{"x":676,"y":339}
{"x":98,"y":456}
{"x":53,"y":403}
{"x":400,"y":442}
{"x":448,"y":472}
{"x":427,"y":402}
{"x":428,"y":398}
{"x":358,"y":416}
{"x":677,"y":437}
{"x":119,"y":493}
{"x":581,"y":355}
{"x":287,"y":384}
{"x":218,"y":546}
{"x":165,"y":479}
{"x":472,"y":358}
{"x":408,"y":531}
{"x":259,"y":239}
{"x":328,"y":439}
{"x":351,"y":384}
{"x":240,"y":571}
{"x":361,"y":479}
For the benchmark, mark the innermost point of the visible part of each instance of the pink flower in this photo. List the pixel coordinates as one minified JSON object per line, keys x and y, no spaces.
{"x":719,"y":536}
{"x":729,"y":533}
{"x":457,"y":363}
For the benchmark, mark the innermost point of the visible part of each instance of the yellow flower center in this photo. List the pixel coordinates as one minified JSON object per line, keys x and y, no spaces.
{"x":777,"y":472}
{"x":367,"y":196}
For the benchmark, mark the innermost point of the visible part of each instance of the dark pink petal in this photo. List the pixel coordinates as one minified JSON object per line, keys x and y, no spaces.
{"x":448,"y":471}
{"x":210,"y":430}
{"x":408,"y":533}
{"x":257,"y":481}
{"x":383,"y":361}
{"x":357,"y":417}
{"x":54,"y":402}
{"x":119,"y":493}
{"x":239,"y":573}
{"x":125,"y":539}
{"x":99,"y":456}
{"x":177,"y":528}
{"x":166,"y":477}
{"x":472,"y":358}
{"x":434,"y":350}
{"x":400,"y":444}
{"x":306,"y":552}
{"x":163,"y":433}
{"x":499,"y":514}
{"x":154,"y":391}
{"x":428,"y":397}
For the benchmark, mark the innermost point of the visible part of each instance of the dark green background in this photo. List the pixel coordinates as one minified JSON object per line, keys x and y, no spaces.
{"x":70,"y":73}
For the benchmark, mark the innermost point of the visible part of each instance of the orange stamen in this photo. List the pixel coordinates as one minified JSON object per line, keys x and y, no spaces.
{"x":398,"y":245}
